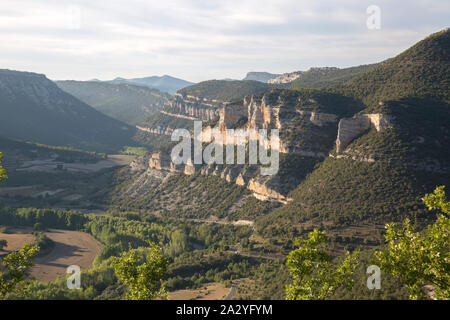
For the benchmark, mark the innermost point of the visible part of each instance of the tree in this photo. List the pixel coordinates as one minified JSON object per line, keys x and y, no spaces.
{"x":38,"y":226}
{"x":2,"y":170}
{"x":315,"y":276}
{"x":421,"y":259}
{"x":16,"y":265}
{"x":3,"y":243}
{"x":142,"y":275}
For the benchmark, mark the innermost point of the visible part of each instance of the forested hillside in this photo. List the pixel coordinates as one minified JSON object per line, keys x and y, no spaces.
{"x":125,"y":102}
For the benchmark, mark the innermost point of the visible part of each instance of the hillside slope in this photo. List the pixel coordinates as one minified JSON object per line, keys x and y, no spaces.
{"x":381,"y":175}
{"x":421,"y":71}
{"x":164,"y":83}
{"x":34,"y":108}
{"x":128,"y":103}
{"x":225,"y":90}
{"x":260,"y":76}
{"x":324,"y":77}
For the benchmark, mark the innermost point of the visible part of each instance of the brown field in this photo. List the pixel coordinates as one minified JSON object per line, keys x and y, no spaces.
{"x":50,"y":165}
{"x":71,"y":248}
{"x":16,"y":240}
{"x":213,"y":291}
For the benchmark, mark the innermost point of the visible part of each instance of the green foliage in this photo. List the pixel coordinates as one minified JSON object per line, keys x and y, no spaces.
{"x":324,"y":77}
{"x":314,"y":275}
{"x":125,"y":102}
{"x":121,"y":231}
{"x":2,"y":170}
{"x":16,"y":265}
{"x":3,"y":244}
{"x":38,"y":226}
{"x":346,"y":192}
{"x":194,"y":196}
{"x":134,"y":151}
{"x":164,"y":121}
{"x":44,"y":243}
{"x":421,"y":71}
{"x":49,"y":218}
{"x":391,"y":287}
{"x":437,"y":200}
{"x":421,"y":259}
{"x":57,"y":119}
{"x":225,"y":90}
{"x":143,"y":278}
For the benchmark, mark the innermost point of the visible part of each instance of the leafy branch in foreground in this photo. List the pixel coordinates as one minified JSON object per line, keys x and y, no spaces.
{"x":315,"y":275}
{"x":2,"y":170}
{"x":17,"y":265}
{"x":421,"y":260}
{"x":142,"y":275}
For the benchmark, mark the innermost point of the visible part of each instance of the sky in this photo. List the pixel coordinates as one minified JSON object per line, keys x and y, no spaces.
{"x":198,"y":40}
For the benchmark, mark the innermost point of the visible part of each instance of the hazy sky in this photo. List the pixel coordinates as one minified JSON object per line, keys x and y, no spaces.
{"x":198,"y":40}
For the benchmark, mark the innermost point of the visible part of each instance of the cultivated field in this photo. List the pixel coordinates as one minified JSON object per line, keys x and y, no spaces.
{"x":213,"y":291}
{"x":50,"y":165}
{"x":16,"y":240}
{"x":71,"y":248}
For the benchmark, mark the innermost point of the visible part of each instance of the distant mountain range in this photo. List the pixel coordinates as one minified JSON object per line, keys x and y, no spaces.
{"x":125,"y":102}
{"x":165,"y":83}
{"x":34,"y":108}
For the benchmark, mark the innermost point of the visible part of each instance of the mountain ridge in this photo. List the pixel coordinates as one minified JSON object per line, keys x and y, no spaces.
{"x":125,"y":102}
{"x":163,"y":83}
{"x":34,"y":108}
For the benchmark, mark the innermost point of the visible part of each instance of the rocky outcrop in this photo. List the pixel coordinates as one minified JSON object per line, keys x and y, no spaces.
{"x":231,"y":114}
{"x":286,"y":77}
{"x":260,"y":76}
{"x":318,"y":118}
{"x":140,"y":163}
{"x":273,"y":111}
{"x":189,"y":169}
{"x":351,"y":128}
{"x":159,"y":130}
{"x":162,"y":161}
{"x":303,"y":132}
{"x":195,"y":107}
{"x":261,"y":190}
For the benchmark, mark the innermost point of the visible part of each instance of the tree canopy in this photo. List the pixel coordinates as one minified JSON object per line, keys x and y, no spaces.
{"x":142,"y":275}
{"x":2,"y":170}
{"x":421,"y":259}
{"x":16,"y":265}
{"x":315,"y":276}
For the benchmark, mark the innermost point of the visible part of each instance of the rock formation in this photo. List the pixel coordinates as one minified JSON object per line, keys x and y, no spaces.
{"x":351,"y":128}
{"x":196,"y":107}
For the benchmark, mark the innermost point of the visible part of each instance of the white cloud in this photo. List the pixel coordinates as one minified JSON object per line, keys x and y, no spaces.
{"x":201,"y":39}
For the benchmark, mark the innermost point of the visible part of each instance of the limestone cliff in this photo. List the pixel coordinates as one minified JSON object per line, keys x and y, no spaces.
{"x":307,"y":135}
{"x":196,"y":107}
{"x":351,"y":128}
{"x":302,"y":131}
{"x":286,"y":77}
